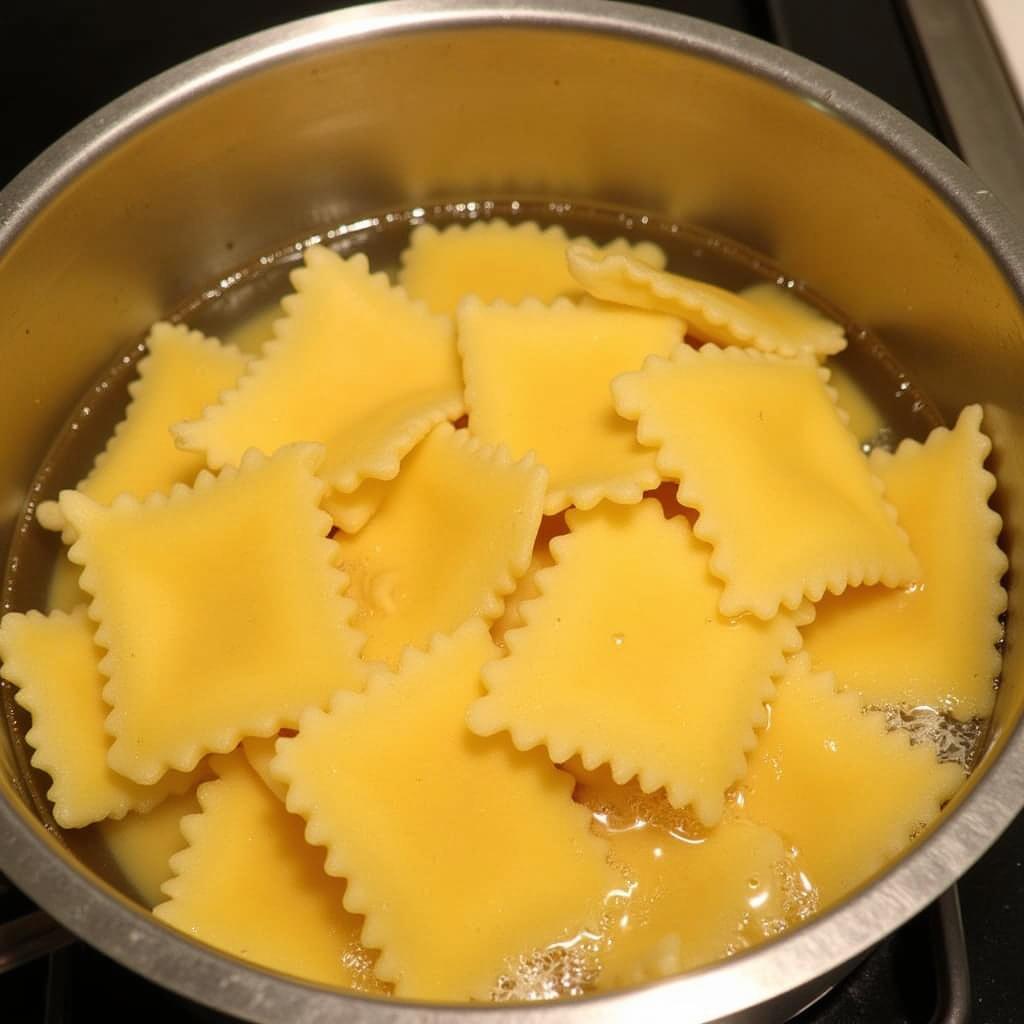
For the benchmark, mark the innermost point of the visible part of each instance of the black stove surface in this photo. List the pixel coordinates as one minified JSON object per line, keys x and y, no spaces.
{"x":62,"y":60}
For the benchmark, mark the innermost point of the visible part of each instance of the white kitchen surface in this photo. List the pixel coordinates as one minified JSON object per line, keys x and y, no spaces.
{"x":1005,"y":19}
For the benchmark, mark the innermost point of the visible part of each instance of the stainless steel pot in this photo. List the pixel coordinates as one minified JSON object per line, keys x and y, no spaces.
{"x":386,"y":106}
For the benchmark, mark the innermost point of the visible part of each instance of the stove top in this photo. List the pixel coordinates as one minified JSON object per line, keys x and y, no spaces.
{"x":955,"y":66}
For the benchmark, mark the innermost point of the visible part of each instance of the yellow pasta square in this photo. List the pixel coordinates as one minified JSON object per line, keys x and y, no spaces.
{"x":837,"y":786}
{"x":538,"y":379}
{"x":642,"y":673}
{"x":761,"y":319}
{"x":54,"y":662}
{"x":933,"y":643}
{"x":494,"y":260}
{"x":434,"y":827}
{"x":453,"y":534}
{"x":249,"y":884}
{"x":355,"y":366}
{"x":784,"y":494}
{"x":220,"y":609}
{"x":182,"y":373}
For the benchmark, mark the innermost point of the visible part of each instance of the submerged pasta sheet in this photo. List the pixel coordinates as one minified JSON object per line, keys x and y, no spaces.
{"x":181,"y":374}
{"x":443,"y":547}
{"x":495,"y":260}
{"x":64,"y":594}
{"x":835,"y":784}
{"x":761,"y":319}
{"x":142,"y":844}
{"x":435,"y":828}
{"x":861,"y":412}
{"x":259,"y":752}
{"x":219,"y":607}
{"x":538,"y":379}
{"x":785,"y":496}
{"x":54,"y":662}
{"x":933,"y":643}
{"x":693,"y":895}
{"x":355,"y":365}
{"x":250,"y":884}
{"x":642,"y":673}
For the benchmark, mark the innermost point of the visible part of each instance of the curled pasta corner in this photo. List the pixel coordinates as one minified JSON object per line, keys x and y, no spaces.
{"x":747,"y":322}
{"x":386,"y":463}
{"x":442,"y":403}
{"x":81,"y":509}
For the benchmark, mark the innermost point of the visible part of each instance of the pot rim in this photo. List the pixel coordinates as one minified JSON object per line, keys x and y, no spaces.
{"x":122,"y":930}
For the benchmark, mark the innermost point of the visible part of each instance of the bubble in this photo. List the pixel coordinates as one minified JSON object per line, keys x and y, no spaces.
{"x":564,"y":969}
{"x":954,"y":741}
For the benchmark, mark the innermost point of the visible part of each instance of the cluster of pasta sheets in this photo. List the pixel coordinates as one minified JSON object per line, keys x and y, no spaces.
{"x":454,"y":695}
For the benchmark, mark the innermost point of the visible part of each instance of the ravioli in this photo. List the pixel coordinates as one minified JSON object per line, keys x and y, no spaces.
{"x":455,"y":531}
{"x":763,"y":321}
{"x":351,"y":512}
{"x":825,"y":769}
{"x":220,"y":609}
{"x":513,"y":706}
{"x":784,"y":495}
{"x":495,"y":260}
{"x":644,"y":675}
{"x":181,"y":374}
{"x":355,"y":365}
{"x":932,"y":643}
{"x":249,"y":884}
{"x":54,"y":662}
{"x":538,"y":379}
{"x":434,"y":827}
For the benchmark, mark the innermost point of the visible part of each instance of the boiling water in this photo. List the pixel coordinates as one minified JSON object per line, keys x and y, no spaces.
{"x":882,"y":403}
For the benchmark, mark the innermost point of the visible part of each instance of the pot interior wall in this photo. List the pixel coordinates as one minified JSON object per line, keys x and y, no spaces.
{"x":310,"y":141}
